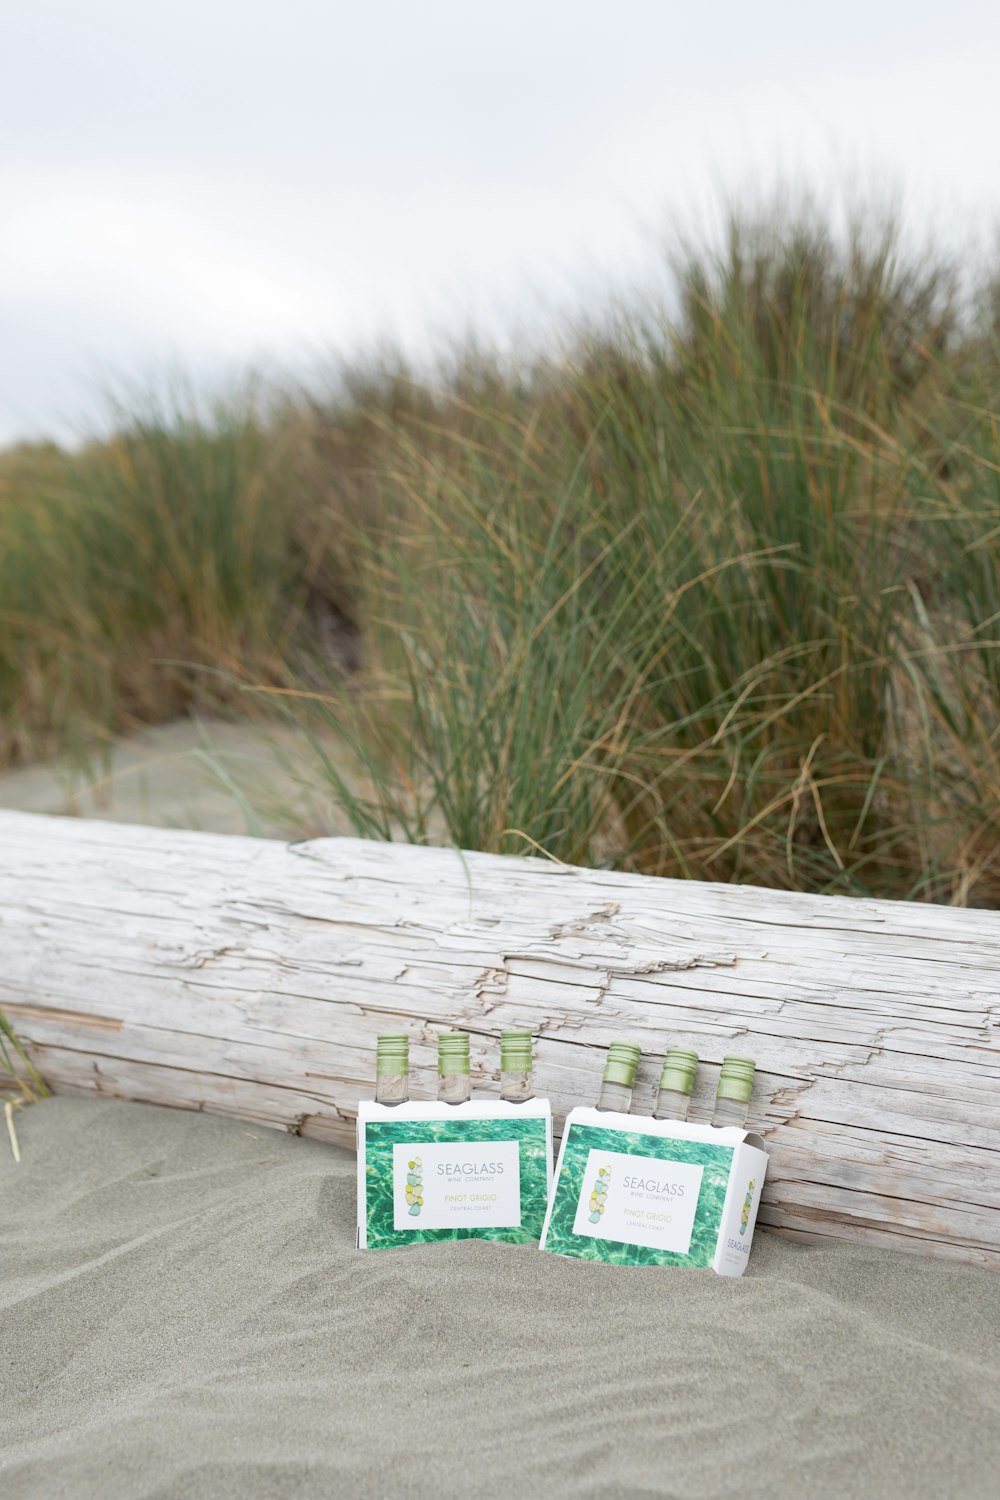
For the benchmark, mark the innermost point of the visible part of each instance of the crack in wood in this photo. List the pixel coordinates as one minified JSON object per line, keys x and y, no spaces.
{"x":601,"y":917}
{"x":49,"y":1013}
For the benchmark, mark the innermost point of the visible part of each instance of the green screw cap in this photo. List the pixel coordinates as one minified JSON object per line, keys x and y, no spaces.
{"x":515,"y":1051}
{"x":678,"y":1070}
{"x":392,"y":1054}
{"x":623,"y":1059}
{"x":736,"y":1078}
{"x":453,"y":1052}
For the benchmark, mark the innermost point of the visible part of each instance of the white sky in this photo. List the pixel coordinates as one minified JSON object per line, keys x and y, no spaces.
{"x":214,"y":182}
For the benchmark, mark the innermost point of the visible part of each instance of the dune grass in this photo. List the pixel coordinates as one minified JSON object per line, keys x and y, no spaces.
{"x":19,"y":1078}
{"x":709,"y":594}
{"x":139,"y":573}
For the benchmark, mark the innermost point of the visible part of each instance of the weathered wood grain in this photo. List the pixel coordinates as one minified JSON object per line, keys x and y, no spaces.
{"x":250,"y":977}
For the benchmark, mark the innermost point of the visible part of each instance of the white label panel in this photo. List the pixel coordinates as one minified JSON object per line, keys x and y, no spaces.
{"x":456,"y":1185}
{"x":639,"y":1200}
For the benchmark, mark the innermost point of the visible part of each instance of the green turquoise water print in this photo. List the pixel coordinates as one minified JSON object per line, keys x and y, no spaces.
{"x":497,"y":1174}
{"x":667,"y":1177}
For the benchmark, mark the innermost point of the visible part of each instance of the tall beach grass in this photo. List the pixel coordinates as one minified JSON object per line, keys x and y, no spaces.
{"x":710,"y":593}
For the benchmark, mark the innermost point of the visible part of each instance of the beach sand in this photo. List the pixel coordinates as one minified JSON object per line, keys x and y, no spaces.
{"x":221,"y":777}
{"x":184,"y":1314}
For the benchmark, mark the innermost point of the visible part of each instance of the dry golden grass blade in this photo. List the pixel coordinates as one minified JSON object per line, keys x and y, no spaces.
{"x":8,"y":1110}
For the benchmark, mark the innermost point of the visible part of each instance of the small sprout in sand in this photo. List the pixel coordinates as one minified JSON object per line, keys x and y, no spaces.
{"x":24,"y":1077}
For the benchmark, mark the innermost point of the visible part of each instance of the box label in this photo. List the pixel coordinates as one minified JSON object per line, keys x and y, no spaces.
{"x":639,"y":1200}
{"x":456,"y":1185}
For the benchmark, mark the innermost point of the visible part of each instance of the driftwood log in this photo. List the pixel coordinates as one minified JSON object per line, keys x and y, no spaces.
{"x":250,"y":978}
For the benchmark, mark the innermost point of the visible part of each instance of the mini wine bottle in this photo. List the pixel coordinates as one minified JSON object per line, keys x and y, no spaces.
{"x":676,"y":1083}
{"x":453,"y":1067}
{"x":732,"y":1098}
{"x":392,"y":1068}
{"x":515,"y":1067}
{"x":619,"y":1077}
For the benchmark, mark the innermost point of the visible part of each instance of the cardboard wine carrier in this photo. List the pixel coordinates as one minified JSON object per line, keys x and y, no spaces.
{"x":651,"y":1192}
{"x":430,"y":1171}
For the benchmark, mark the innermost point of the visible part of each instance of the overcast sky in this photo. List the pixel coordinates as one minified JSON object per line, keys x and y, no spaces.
{"x":214,"y":182}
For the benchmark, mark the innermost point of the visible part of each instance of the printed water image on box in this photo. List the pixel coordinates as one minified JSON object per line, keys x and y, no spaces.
{"x":655,"y":1195}
{"x":480,"y":1171}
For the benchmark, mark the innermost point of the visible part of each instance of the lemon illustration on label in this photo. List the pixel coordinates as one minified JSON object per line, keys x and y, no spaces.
{"x":415,"y":1187}
{"x":599,"y":1194}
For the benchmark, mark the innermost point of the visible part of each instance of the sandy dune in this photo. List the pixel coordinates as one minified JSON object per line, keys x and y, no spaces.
{"x":209,"y":774}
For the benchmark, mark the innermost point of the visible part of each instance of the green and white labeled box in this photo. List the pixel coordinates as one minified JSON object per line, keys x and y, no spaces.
{"x":428,"y":1171}
{"x":645,"y":1192}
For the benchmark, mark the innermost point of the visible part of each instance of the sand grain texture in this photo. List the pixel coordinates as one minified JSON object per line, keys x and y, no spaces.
{"x":184,"y":1314}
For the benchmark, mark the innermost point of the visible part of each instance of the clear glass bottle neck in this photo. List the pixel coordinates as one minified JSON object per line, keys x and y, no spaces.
{"x":392,"y":1088}
{"x":516,"y":1087}
{"x":730,"y":1112}
{"x":671,"y":1105}
{"x":616,"y":1096}
{"x":453,"y":1088}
